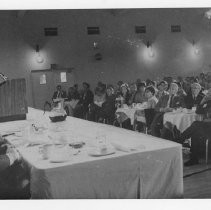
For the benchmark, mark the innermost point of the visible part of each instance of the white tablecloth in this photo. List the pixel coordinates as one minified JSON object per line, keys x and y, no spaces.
{"x":130,"y":112}
{"x":153,"y":170}
{"x":180,"y":119}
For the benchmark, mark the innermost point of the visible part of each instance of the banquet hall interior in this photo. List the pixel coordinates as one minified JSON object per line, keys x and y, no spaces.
{"x":105,"y":103}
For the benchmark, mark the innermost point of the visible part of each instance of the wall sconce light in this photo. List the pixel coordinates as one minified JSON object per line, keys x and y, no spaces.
{"x":207,"y":14}
{"x":39,"y":58}
{"x":195,"y":48}
{"x":151,"y":52}
{"x":95,"y":45}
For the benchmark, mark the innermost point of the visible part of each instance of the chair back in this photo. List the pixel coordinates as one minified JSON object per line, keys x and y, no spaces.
{"x":149,"y":116}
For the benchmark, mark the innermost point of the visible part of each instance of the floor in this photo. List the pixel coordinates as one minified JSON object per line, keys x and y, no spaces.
{"x":197,"y":180}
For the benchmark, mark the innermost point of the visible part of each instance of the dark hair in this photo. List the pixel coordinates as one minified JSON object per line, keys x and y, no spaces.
{"x":141,"y":84}
{"x":179,"y":84}
{"x":151,"y":89}
{"x":162,"y":82}
{"x":87,"y":85}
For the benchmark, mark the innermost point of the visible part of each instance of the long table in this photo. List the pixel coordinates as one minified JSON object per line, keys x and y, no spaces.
{"x":153,"y":170}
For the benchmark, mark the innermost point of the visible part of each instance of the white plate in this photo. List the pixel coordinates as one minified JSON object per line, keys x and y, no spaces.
{"x":97,"y":152}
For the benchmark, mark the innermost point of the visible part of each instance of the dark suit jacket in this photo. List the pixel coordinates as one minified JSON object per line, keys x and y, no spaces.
{"x":4,"y":162}
{"x":87,"y":99}
{"x":62,"y":95}
{"x":190,"y":101}
{"x":177,"y":101}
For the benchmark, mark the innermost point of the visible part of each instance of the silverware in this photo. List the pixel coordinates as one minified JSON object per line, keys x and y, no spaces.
{"x":9,"y":134}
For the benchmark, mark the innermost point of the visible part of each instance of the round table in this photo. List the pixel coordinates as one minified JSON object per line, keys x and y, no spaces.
{"x":130,"y":112}
{"x":182,"y":120}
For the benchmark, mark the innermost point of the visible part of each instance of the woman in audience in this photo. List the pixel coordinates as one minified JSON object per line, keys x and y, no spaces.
{"x":125,"y":94}
{"x":124,"y":98}
{"x":150,"y":104}
{"x":151,"y":99}
{"x":139,"y":96}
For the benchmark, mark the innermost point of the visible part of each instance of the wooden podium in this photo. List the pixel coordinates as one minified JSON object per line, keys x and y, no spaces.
{"x":13,"y":105}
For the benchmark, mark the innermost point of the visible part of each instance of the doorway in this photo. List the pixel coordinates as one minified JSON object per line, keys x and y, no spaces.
{"x":44,"y":82}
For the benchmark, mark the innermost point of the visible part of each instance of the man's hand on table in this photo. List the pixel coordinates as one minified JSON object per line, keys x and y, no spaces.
{"x":13,"y":155}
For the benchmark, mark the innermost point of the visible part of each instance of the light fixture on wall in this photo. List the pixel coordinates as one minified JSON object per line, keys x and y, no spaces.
{"x":195,"y":48}
{"x":151,"y":52}
{"x":39,"y":58}
{"x":95,"y":45}
{"x":208,"y":14}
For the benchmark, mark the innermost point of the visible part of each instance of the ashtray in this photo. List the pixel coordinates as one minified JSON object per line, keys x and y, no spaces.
{"x":77,"y":145}
{"x":58,"y":118}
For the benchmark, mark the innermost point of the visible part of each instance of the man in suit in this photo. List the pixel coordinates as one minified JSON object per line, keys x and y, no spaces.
{"x":194,"y":97}
{"x":162,"y":87}
{"x":86,"y":99}
{"x":166,"y":104}
{"x":8,"y":159}
{"x":199,"y":131}
{"x":59,"y":93}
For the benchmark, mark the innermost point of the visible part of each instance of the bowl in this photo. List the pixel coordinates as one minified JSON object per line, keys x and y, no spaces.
{"x":58,"y":118}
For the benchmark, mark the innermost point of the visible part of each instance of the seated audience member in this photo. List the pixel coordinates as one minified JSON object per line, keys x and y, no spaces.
{"x":138,"y":81}
{"x":72,"y":101}
{"x":77,"y":95}
{"x":132,"y":92}
{"x":59,"y":93}
{"x":181,"y":92}
{"x":165,"y":104}
{"x":194,"y":97}
{"x":132,"y":88}
{"x":187,"y":85}
{"x":124,"y":98}
{"x":162,"y":87}
{"x":151,"y":99}
{"x":10,"y":186}
{"x":108,"y":107}
{"x":199,"y":131}
{"x":150,"y":104}
{"x":124,"y":94}
{"x":85,"y":100}
{"x":118,"y":88}
{"x":96,"y":106}
{"x":202,"y":80}
{"x":101,"y":86}
{"x":139,"y":96}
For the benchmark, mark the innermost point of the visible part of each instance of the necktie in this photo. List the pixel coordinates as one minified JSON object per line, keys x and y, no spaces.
{"x":171,"y":100}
